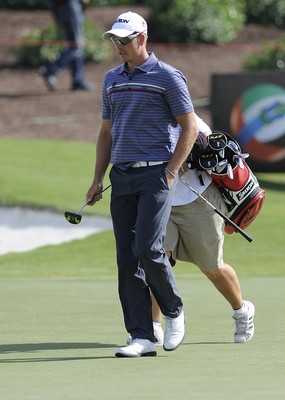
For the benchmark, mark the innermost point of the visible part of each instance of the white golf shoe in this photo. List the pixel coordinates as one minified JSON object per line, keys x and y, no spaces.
{"x":244,"y":323}
{"x":174,"y":332}
{"x":158,"y":334}
{"x":137,"y":348}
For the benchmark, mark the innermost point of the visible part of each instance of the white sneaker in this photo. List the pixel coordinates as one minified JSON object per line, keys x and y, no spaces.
{"x":174,"y":332}
{"x":244,"y":323}
{"x":137,"y":348}
{"x":158,"y":334}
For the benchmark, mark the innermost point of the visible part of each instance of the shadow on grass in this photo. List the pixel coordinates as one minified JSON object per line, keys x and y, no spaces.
{"x":30,"y":347}
{"x":33,"y":347}
{"x":50,"y":359}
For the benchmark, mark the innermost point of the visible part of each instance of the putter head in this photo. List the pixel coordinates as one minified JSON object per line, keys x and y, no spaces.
{"x":72,"y":218}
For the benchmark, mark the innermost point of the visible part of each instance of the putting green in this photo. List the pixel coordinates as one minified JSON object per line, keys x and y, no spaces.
{"x":57,"y":339}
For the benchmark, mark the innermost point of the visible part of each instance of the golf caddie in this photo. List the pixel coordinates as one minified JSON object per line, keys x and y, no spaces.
{"x":148,"y":129}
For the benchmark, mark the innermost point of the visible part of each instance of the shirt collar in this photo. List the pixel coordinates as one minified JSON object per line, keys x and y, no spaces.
{"x":146,"y":66}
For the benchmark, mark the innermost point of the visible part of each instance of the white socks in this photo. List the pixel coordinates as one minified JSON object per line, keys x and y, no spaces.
{"x":241,"y":310}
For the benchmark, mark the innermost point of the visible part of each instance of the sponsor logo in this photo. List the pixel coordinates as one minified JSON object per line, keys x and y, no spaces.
{"x":122,"y":21}
{"x":245,"y":191}
{"x":216,"y":136}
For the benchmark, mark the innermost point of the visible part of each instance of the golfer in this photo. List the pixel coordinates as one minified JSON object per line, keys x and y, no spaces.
{"x":148,"y":128}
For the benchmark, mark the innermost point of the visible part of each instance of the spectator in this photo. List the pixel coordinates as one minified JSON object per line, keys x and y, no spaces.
{"x":69,"y":16}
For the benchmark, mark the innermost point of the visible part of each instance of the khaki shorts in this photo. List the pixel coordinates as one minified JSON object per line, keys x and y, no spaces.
{"x":195,"y":233}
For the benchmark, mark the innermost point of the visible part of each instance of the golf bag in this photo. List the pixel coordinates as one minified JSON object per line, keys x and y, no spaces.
{"x":221,"y":157}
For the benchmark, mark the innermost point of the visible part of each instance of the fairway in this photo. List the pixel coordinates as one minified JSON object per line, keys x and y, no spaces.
{"x":60,"y":316}
{"x":58,"y":337}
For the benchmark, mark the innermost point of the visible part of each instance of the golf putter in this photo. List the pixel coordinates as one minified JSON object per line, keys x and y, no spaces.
{"x":75,"y":219}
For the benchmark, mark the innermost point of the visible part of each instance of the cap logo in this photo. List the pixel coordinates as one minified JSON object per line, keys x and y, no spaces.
{"x":122,"y":21}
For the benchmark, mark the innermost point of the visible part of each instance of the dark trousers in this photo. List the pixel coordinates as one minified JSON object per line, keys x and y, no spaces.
{"x":140,"y":209}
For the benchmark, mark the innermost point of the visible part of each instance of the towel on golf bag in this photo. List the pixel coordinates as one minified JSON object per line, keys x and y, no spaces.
{"x":223,"y":160}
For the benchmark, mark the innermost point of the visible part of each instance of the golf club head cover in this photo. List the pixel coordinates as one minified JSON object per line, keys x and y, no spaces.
{"x":205,"y":151}
{"x":208,"y":161}
{"x":217,"y":141}
{"x":199,"y":148}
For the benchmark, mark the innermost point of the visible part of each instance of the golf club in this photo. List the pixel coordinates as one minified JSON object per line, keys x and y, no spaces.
{"x":75,"y":219}
{"x":230,"y":171}
{"x":238,"y":161}
{"x":221,"y":165}
{"x":230,"y":222}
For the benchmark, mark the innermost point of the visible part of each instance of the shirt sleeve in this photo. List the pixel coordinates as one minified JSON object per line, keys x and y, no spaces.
{"x":177,"y":94}
{"x":202,"y":126}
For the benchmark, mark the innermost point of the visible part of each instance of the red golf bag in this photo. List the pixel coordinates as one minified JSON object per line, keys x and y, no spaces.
{"x":230,"y":173}
{"x":242,"y":195}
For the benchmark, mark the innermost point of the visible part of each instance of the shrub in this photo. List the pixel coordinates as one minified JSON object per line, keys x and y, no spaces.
{"x":192,"y":21}
{"x":266,"y":11}
{"x":33,"y":55}
{"x":24,"y":4}
{"x":269,"y":57}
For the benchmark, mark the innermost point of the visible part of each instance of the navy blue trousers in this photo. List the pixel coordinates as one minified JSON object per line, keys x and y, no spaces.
{"x":140,"y":209}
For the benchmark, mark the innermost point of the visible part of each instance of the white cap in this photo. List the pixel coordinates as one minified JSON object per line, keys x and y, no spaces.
{"x":126,"y":24}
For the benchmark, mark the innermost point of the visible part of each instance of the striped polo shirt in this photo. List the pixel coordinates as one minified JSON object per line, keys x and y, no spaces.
{"x":142,"y":107}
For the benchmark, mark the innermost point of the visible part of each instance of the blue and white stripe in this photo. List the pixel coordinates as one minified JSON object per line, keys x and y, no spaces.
{"x":142,"y":109}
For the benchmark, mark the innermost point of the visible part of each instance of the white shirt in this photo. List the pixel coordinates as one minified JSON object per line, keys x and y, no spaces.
{"x":183,"y":194}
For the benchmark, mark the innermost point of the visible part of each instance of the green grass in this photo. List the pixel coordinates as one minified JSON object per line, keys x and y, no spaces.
{"x":93,"y":256}
{"x":58,"y":337}
{"x":48,"y":174}
{"x":60,"y":316}
{"x":57,"y":174}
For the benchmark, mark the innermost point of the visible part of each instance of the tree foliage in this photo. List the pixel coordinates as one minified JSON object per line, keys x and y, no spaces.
{"x":189,"y":21}
{"x":271,"y":56}
{"x":266,"y":11}
{"x":192,"y":21}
